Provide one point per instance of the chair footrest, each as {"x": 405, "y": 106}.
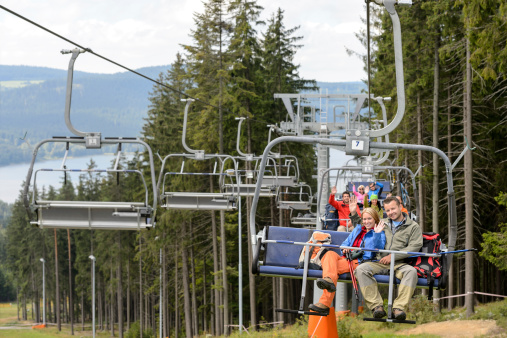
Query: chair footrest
{"x": 386, "y": 320}
{"x": 311, "y": 313}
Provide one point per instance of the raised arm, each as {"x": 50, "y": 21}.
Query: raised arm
{"x": 332, "y": 201}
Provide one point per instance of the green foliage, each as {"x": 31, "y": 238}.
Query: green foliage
{"x": 422, "y": 309}
{"x": 134, "y": 331}
{"x": 5, "y": 214}
{"x": 348, "y": 327}
{"x": 494, "y": 246}
{"x": 496, "y": 311}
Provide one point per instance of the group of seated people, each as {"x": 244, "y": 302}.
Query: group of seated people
{"x": 366, "y": 198}
{"x": 371, "y": 232}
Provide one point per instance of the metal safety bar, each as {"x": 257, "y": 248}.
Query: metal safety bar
{"x": 93, "y": 171}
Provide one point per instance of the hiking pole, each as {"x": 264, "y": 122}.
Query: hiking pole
{"x": 352, "y": 276}
{"x": 451, "y": 252}
{"x": 445, "y": 253}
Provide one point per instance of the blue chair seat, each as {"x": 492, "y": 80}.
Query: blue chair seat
{"x": 282, "y": 260}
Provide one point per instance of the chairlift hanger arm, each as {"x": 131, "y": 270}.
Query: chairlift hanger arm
{"x": 467, "y": 148}
{"x": 93, "y": 138}
{"x": 380, "y": 101}
{"x": 248, "y": 157}
{"x": 398, "y": 60}
{"x": 198, "y": 153}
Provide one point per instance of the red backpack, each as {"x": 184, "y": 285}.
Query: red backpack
{"x": 430, "y": 268}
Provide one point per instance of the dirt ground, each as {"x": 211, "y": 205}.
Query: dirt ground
{"x": 462, "y": 328}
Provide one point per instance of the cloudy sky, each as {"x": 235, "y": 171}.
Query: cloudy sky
{"x": 148, "y": 33}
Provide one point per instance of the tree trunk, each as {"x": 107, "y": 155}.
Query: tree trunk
{"x": 469, "y": 213}
{"x": 279, "y": 293}
{"x": 82, "y": 310}
{"x": 195, "y": 321}
{"x": 420, "y": 159}
{"x": 128, "y": 294}
{"x": 140, "y": 291}
{"x": 216, "y": 268}
{"x": 71, "y": 304}
{"x": 436, "y": 178}
{"x": 225, "y": 284}
{"x": 165, "y": 312}
{"x": 186, "y": 294}
{"x": 64, "y": 304}
{"x": 111, "y": 303}
{"x": 251, "y": 277}
{"x": 176, "y": 298}
{"x": 35, "y": 297}
{"x": 205, "y": 298}
{"x": 146, "y": 310}
{"x": 17, "y": 302}
{"x": 450, "y": 279}
{"x": 119, "y": 289}
{"x": 57, "y": 291}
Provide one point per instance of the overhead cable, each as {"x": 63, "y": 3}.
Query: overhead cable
{"x": 103, "y": 57}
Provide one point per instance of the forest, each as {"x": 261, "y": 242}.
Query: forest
{"x": 454, "y": 55}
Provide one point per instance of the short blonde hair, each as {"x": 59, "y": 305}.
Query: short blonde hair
{"x": 373, "y": 214}
{"x": 361, "y": 186}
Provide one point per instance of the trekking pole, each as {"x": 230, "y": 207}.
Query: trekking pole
{"x": 445, "y": 252}
{"x": 451, "y": 252}
{"x": 352, "y": 276}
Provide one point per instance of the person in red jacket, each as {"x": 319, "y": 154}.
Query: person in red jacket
{"x": 343, "y": 209}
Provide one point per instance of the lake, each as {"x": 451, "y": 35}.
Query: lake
{"x": 13, "y": 176}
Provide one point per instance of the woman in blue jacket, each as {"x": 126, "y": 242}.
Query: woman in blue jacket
{"x": 368, "y": 235}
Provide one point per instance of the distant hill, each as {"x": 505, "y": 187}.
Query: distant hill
{"x": 342, "y": 87}
{"x": 32, "y": 103}
{"x": 114, "y": 104}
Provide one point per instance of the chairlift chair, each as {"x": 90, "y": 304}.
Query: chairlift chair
{"x": 111, "y": 215}
{"x": 198, "y": 200}
{"x": 297, "y": 198}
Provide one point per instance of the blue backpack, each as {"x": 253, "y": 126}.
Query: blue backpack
{"x": 331, "y": 218}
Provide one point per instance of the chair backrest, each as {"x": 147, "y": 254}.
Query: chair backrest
{"x": 287, "y": 255}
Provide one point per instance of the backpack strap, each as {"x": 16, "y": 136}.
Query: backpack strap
{"x": 431, "y": 282}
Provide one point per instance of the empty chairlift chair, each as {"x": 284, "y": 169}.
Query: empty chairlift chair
{"x": 103, "y": 215}
{"x": 222, "y": 199}
{"x": 247, "y": 178}
{"x": 111, "y": 215}
{"x": 200, "y": 200}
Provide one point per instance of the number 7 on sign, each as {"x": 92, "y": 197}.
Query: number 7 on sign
{"x": 357, "y": 145}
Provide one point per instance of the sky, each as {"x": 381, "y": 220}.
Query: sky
{"x": 149, "y": 33}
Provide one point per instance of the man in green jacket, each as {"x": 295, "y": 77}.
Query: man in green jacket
{"x": 402, "y": 234}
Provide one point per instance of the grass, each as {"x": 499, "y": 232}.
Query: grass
{"x": 347, "y": 327}
{"x": 49, "y": 332}
{"x": 8, "y": 312}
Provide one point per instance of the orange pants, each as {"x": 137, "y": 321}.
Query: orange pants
{"x": 333, "y": 265}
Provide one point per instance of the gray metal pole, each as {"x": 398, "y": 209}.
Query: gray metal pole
{"x": 93, "y": 293}
{"x": 43, "y": 291}
{"x": 161, "y": 314}
{"x": 240, "y": 268}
